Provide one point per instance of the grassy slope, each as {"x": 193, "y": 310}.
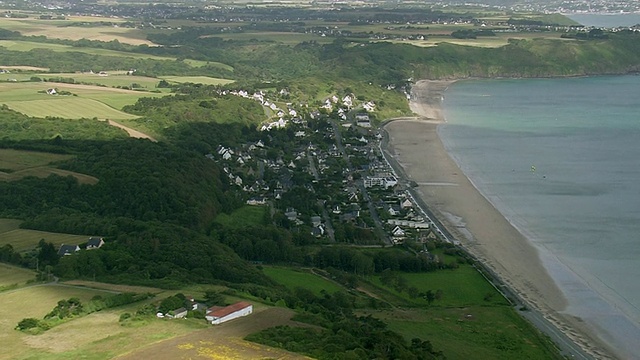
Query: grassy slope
{"x": 90, "y": 102}
{"x": 474, "y": 332}
{"x": 23, "y": 239}
{"x": 96, "y": 336}
{"x": 13, "y": 276}
{"x": 16, "y": 164}
{"x": 245, "y": 216}
{"x": 299, "y": 278}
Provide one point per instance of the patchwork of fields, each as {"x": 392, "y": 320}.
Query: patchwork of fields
{"x": 60, "y": 29}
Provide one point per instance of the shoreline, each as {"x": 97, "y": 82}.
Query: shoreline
{"x": 483, "y": 231}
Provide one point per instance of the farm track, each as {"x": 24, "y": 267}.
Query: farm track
{"x": 132, "y": 132}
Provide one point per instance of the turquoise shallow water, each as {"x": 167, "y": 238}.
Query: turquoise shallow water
{"x": 581, "y": 205}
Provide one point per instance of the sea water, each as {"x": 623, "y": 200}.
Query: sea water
{"x": 606, "y": 20}
{"x": 560, "y": 158}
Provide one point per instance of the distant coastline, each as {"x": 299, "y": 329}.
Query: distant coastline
{"x": 471, "y": 218}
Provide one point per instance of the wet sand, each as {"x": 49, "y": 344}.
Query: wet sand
{"x": 472, "y": 219}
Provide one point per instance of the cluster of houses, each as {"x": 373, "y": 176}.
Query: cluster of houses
{"x": 92, "y": 244}
{"x": 215, "y": 315}
{"x": 266, "y": 175}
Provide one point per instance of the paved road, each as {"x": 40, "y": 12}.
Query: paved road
{"x": 365, "y": 195}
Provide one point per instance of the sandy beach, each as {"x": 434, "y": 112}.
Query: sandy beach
{"x": 472, "y": 219}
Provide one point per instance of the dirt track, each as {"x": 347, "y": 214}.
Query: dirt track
{"x": 132, "y": 132}
{"x": 223, "y": 341}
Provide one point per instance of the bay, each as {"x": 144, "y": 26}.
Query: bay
{"x": 606, "y": 20}
{"x": 560, "y": 159}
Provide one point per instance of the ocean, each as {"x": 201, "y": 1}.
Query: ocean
{"x": 606, "y": 20}
{"x": 560, "y": 159}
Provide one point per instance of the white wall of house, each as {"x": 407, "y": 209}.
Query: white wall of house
{"x": 240, "y": 313}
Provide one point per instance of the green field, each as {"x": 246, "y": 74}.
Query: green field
{"x": 461, "y": 287}
{"x": 475, "y": 332}
{"x": 68, "y": 108}
{"x": 16, "y": 164}
{"x": 24, "y": 240}
{"x": 287, "y": 38}
{"x": 14, "y": 276}
{"x": 197, "y": 80}
{"x": 61, "y": 29}
{"x": 114, "y": 79}
{"x": 243, "y": 217}
{"x": 14, "y": 160}
{"x": 19, "y": 45}
{"x": 293, "y": 279}
{"x": 90, "y": 102}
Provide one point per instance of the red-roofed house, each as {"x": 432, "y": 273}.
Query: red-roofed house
{"x": 219, "y": 315}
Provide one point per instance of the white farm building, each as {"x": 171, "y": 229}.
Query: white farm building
{"x": 218, "y": 315}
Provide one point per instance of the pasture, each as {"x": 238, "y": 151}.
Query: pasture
{"x": 19, "y": 45}
{"x": 12, "y": 276}
{"x": 90, "y": 101}
{"x": 292, "y": 279}
{"x": 25, "y": 240}
{"x": 114, "y": 79}
{"x": 475, "y": 332}
{"x": 460, "y": 287}
{"x": 71, "y": 29}
{"x": 243, "y": 217}
{"x": 205, "y": 80}
{"x": 14, "y": 160}
{"x": 100, "y": 335}
{"x": 34, "y": 301}
{"x": 223, "y": 341}
{"x": 16, "y": 164}
{"x": 287, "y": 38}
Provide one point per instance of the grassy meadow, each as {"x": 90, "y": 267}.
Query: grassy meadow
{"x": 474, "y": 332}
{"x": 14, "y": 160}
{"x": 25, "y": 240}
{"x": 63, "y": 29}
{"x": 16, "y": 164}
{"x": 95, "y": 336}
{"x": 205, "y": 80}
{"x": 245, "y": 216}
{"x": 300, "y": 279}
{"x": 461, "y": 287}
{"x": 90, "y": 102}
{"x": 13, "y": 276}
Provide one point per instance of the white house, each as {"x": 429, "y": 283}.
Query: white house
{"x": 219, "y": 315}
{"x": 95, "y": 243}
{"x": 397, "y": 231}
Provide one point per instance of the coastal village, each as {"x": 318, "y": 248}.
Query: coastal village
{"x": 335, "y": 152}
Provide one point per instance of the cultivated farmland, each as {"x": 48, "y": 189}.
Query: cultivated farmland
{"x": 61, "y": 29}
{"x": 197, "y": 80}
{"x": 91, "y": 101}
{"x": 114, "y": 79}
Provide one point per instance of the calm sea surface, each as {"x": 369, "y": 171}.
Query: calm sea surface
{"x": 606, "y": 20}
{"x": 560, "y": 158}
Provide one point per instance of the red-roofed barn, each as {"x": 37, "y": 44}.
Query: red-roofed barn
{"x": 217, "y": 315}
